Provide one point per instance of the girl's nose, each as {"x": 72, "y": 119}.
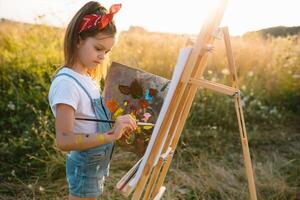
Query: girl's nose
{"x": 101, "y": 56}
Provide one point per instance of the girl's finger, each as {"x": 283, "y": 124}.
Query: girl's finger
{"x": 132, "y": 122}
{"x": 132, "y": 118}
{"x": 127, "y": 134}
{"x": 130, "y": 125}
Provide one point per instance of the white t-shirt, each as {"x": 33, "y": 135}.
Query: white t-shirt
{"x": 66, "y": 90}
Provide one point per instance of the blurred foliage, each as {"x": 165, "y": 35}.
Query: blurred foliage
{"x": 278, "y": 31}
{"x": 269, "y": 77}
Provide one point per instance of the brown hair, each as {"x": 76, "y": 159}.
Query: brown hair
{"x": 72, "y": 36}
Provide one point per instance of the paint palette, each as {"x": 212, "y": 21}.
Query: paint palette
{"x": 133, "y": 91}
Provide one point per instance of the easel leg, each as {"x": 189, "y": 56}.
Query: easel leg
{"x": 162, "y": 176}
{"x": 245, "y": 147}
{"x": 240, "y": 116}
{"x": 153, "y": 179}
{"x": 184, "y": 110}
{"x": 155, "y": 185}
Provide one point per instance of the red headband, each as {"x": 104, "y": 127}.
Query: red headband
{"x": 99, "y": 21}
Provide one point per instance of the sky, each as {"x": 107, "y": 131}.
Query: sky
{"x": 172, "y": 16}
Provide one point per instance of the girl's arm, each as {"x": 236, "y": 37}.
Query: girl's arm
{"x": 67, "y": 140}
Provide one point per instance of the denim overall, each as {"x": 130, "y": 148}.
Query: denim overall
{"x": 86, "y": 170}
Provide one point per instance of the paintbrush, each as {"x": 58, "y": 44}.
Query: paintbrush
{"x": 112, "y": 121}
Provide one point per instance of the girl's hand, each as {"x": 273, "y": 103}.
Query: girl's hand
{"x": 123, "y": 124}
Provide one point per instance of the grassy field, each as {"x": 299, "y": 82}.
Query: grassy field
{"x": 208, "y": 162}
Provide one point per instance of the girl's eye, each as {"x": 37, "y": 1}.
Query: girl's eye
{"x": 100, "y": 49}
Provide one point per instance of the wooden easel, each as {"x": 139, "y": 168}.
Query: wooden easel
{"x": 150, "y": 183}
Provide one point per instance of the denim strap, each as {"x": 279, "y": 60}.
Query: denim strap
{"x": 65, "y": 74}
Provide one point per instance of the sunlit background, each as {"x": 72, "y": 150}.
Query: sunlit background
{"x": 162, "y": 16}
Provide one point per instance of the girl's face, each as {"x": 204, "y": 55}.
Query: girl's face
{"x": 92, "y": 50}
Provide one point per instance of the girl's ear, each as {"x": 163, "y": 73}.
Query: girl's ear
{"x": 80, "y": 40}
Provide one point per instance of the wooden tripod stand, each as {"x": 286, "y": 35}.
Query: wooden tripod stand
{"x": 155, "y": 188}
{"x": 152, "y": 178}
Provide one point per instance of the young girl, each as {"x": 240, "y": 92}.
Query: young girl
{"x": 75, "y": 93}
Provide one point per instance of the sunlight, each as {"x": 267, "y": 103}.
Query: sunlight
{"x": 162, "y": 16}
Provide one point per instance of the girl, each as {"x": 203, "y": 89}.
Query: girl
{"x": 74, "y": 93}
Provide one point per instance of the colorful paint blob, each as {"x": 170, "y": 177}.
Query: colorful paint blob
{"x": 146, "y": 116}
{"x": 112, "y": 105}
{"x": 118, "y": 112}
{"x": 135, "y": 89}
